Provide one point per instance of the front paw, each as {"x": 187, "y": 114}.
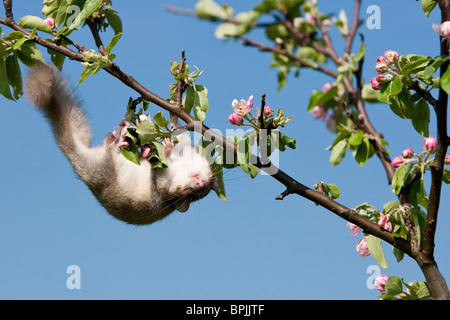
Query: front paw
{"x": 168, "y": 146}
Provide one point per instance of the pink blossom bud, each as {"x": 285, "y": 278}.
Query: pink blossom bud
{"x": 442, "y": 29}
{"x": 319, "y": 112}
{"x": 356, "y": 230}
{"x": 50, "y": 21}
{"x": 381, "y": 59}
{"x": 146, "y": 151}
{"x": 391, "y": 56}
{"x": 327, "y": 86}
{"x": 429, "y": 144}
{"x": 268, "y": 112}
{"x": 407, "y": 153}
{"x": 396, "y": 162}
{"x": 385, "y": 223}
{"x": 376, "y": 83}
{"x": 362, "y": 248}
{"x": 447, "y": 160}
{"x": 381, "y": 78}
{"x": 309, "y": 18}
{"x": 381, "y": 67}
{"x": 380, "y": 282}
{"x": 235, "y": 119}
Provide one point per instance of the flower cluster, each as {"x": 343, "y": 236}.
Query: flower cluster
{"x": 385, "y": 64}
{"x": 242, "y": 115}
{"x": 429, "y": 146}
{"x": 361, "y": 247}
{"x": 241, "y": 109}
{"x": 442, "y": 29}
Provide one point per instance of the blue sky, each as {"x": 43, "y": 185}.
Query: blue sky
{"x": 251, "y": 247}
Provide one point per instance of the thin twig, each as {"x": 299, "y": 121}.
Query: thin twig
{"x": 8, "y": 9}
{"x": 95, "y": 32}
{"x": 300, "y": 61}
{"x": 355, "y": 25}
{"x": 181, "y": 85}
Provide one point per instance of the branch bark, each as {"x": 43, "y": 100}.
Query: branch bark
{"x": 425, "y": 259}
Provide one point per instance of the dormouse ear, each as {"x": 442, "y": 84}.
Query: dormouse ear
{"x": 182, "y": 205}
{"x": 215, "y": 185}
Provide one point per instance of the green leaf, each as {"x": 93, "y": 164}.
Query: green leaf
{"x": 290, "y": 142}
{"x": 430, "y": 70}
{"x": 276, "y": 31}
{"x": 147, "y": 132}
{"x": 201, "y": 103}
{"x": 428, "y": 6}
{"x": 416, "y": 65}
{"x": 394, "y": 286}
{"x": 209, "y": 9}
{"x": 338, "y": 152}
{"x": 446, "y": 175}
{"x": 376, "y": 250}
{"x": 19, "y": 43}
{"x": 131, "y": 153}
{"x": 89, "y": 8}
{"x": 390, "y": 89}
{"x": 356, "y": 138}
{"x": 57, "y": 58}
{"x": 160, "y": 120}
{"x": 62, "y": 10}
{"x": 14, "y": 76}
{"x": 114, "y": 21}
{"x": 389, "y": 206}
{"x": 319, "y": 97}
{"x": 419, "y": 218}
{"x": 399, "y": 178}
{"x": 369, "y": 95}
{"x": 445, "y": 81}
{"x": 362, "y": 152}
{"x": 418, "y": 195}
{"x": 4, "y": 83}
{"x": 188, "y": 99}
{"x": 361, "y": 53}
{"x": 333, "y": 190}
{"x": 158, "y": 157}
{"x": 250, "y": 169}
{"x": 31, "y": 22}
{"x": 227, "y": 29}
{"x": 421, "y": 118}
{"x": 29, "y": 55}
{"x": 422, "y": 291}
{"x": 398, "y": 254}
{"x": 113, "y": 43}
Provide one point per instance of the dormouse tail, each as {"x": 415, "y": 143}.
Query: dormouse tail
{"x": 47, "y": 91}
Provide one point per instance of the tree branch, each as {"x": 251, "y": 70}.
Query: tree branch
{"x": 437, "y": 168}
{"x": 93, "y": 26}
{"x": 355, "y": 25}
{"x": 302, "y": 63}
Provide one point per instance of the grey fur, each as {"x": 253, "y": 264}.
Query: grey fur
{"x": 131, "y": 193}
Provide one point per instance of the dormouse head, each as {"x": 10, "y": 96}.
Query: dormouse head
{"x": 190, "y": 175}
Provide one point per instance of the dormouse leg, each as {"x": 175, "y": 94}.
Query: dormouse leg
{"x": 168, "y": 146}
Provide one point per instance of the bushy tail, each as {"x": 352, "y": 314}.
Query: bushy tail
{"x": 47, "y": 91}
